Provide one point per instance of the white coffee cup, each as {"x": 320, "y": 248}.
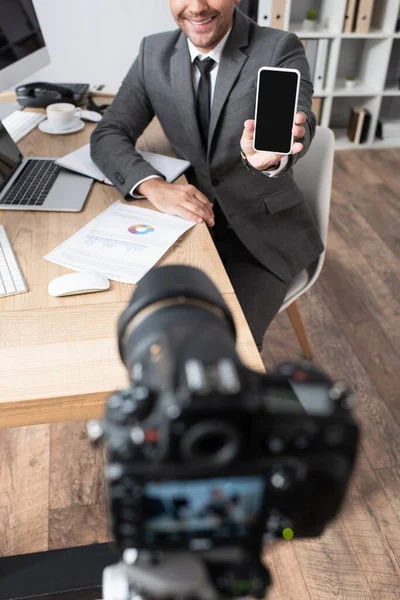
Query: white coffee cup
{"x": 62, "y": 115}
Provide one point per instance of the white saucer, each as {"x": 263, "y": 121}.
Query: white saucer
{"x": 76, "y": 125}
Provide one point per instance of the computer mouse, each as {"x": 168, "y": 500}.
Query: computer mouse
{"x": 81, "y": 282}
{"x": 90, "y": 115}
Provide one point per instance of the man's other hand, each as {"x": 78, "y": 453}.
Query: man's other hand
{"x": 181, "y": 200}
{"x": 266, "y": 160}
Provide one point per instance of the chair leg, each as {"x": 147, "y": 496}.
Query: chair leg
{"x": 296, "y": 320}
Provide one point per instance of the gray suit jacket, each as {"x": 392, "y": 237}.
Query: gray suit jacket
{"x": 268, "y": 214}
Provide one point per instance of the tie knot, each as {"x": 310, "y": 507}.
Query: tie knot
{"x": 205, "y": 65}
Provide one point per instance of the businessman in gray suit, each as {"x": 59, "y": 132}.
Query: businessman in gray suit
{"x": 258, "y": 219}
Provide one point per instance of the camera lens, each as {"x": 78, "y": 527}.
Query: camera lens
{"x": 217, "y": 442}
{"x": 167, "y": 297}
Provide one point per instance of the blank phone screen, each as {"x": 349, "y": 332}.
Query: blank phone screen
{"x": 275, "y": 111}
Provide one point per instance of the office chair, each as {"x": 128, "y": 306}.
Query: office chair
{"x": 313, "y": 175}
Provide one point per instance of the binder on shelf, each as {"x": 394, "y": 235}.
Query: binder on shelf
{"x": 278, "y": 13}
{"x": 364, "y": 16}
{"x": 264, "y": 14}
{"x": 379, "y": 12}
{"x": 317, "y": 108}
{"x": 349, "y": 17}
{"x": 320, "y": 66}
{"x": 311, "y": 55}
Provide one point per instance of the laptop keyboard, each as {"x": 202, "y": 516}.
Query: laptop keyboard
{"x": 33, "y": 184}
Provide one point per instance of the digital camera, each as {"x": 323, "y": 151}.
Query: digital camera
{"x": 203, "y": 452}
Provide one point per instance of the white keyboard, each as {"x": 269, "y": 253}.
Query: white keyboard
{"x": 19, "y": 123}
{"x": 11, "y": 279}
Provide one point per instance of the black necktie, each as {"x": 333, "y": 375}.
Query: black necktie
{"x": 204, "y": 96}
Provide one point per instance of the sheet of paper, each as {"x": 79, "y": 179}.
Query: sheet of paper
{"x": 122, "y": 243}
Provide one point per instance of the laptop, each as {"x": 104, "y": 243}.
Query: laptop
{"x": 37, "y": 183}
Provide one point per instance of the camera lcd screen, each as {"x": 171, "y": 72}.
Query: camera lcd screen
{"x": 223, "y": 508}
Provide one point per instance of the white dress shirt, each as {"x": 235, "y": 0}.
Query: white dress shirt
{"x": 215, "y": 54}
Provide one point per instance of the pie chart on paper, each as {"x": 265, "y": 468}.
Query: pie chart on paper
{"x": 140, "y": 229}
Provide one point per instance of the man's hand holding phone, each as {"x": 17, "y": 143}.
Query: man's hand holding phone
{"x": 267, "y": 160}
{"x": 277, "y": 125}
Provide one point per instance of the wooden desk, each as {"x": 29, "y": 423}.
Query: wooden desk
{"x": 58, "y": 356}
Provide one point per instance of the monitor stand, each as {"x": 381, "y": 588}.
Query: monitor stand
{"x": 8, "y": 108}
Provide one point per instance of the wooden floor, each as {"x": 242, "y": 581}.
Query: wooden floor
{"x": 51, "y": 484}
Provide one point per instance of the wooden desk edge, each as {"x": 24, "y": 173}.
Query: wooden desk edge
{"x": 53, "y": 410}
{"x": 66, "y": 408}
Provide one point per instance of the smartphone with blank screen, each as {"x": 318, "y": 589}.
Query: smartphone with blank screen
{"x": 276, "y": 107}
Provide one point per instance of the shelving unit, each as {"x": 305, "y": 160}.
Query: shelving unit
{"x": 374, "y": 58}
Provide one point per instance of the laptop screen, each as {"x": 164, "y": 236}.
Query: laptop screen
{"x": 10, "y": 156}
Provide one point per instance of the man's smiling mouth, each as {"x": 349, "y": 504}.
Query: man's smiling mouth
{"x": 203, "y": 22}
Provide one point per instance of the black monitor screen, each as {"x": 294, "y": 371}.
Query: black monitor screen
{"x": 10, "y": 156}
{"x": 222, "y": 508}
{"x": 20, "y": 33}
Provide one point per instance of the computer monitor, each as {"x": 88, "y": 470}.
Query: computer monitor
{"x": 22, "y": 46}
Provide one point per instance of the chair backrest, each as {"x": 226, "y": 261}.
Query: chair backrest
{"x": 313, "y": 175}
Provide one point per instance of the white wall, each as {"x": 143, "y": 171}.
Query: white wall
{"x": 96, "y": 41}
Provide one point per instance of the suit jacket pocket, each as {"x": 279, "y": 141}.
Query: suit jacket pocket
{"x": 283, "y": 199}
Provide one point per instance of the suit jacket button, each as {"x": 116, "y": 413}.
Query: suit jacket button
{"x": 215, "y": 182}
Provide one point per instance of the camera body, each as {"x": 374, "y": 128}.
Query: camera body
{"x": 230, "y": 458}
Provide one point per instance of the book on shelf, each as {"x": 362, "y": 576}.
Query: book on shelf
{"x": 321, "y": 62}
{"x": 278, "y": 13}
{"x": 350, "y": 15}
{"x": 365, "y": 127}
{"x": 379, "y": 131}
{"x": 317, "y": 108}
{"x": 352, "y": 124}
{"x": 264, "y": 13}
{"x": 358, "y": 126}
{"x": 364, "y": 16}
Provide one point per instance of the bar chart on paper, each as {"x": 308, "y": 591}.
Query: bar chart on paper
{"x": 99, "y": 243}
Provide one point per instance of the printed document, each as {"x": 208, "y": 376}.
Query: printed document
{"x": 122, "y": 243}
